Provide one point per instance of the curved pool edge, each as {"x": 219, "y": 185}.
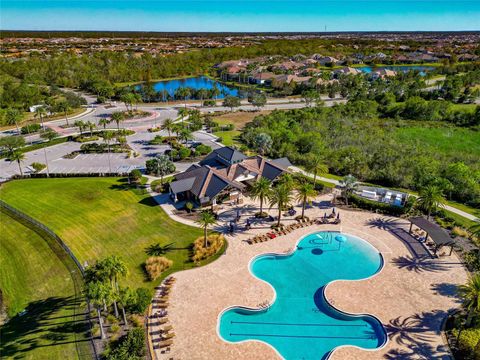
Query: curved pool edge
{"x": 290, "y": 253}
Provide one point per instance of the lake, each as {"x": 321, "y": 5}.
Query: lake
{"x": 200, "y": 82}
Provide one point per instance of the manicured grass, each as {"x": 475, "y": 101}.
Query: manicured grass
{"x": 32, "y": 277}
{"x": 447, "y": 140}
{"x": 228, "y": 137}
{"x": 98, "y": 217}
{"x": 239, "y": 118}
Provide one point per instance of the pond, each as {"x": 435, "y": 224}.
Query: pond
{"x": 398, "y": 68}
{"x": 196, "y": 83}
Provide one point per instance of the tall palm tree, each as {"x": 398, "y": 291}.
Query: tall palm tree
{"x": 103, "y": 122}
{"x": 305, "y": 194}
{"x": 316, "y": 166}
{"x": 81, "y": 125}
{"x": 91, "y": 125}
{"x": 168, "y": 125}
{"x": 430, "y": 199}
{"x": 282, "y": 197}
{"x": 261, "y": 190}
{"x": 118, "y": 117}
{"x": 107, "y": 137}
{"x": 18, "y": 156}
{"x": 125, "y": 296}
{"x": 471, "y": 296}
{"x": 205, "y": 219}
{"x": 183, "y": 112}
{"x": 97, "y": 292}
{"x": 65, "y": 107}
{"x": 13, "y": 116}
{"x": 349, "y": 184}
{"x": 114, "y": 267}
{"x": 40, "y": 112}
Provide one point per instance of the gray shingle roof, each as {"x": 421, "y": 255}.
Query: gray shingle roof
{"x": 182, "y": 185}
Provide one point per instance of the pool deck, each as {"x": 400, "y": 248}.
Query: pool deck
{"x": 410, "y": 296}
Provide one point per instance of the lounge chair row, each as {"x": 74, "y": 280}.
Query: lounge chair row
{"x": 283, "y": 231}
{"x": 162, "y": 338}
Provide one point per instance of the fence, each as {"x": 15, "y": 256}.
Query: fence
{"x": 72, "y": 264}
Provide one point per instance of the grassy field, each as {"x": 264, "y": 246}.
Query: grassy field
{"x": 451, "y": 141}
{"x": 98, "y": 217}
{"x": 229, "y": 138}
{"x": 33, "y": 278}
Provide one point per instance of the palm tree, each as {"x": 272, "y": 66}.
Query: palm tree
{"x": 114, "y": 267}
{"x": 107, "y": 137}
{"x": 118, "y": 117}
{"x": 40, "y": 112}
{"x": 261, "y": 190}
{"x": 104, "y": 122}
{"x": 185, "y": 134}
{"x": 125, "y": 296}
{"x": 282, "y": 197}
{"x": 18, "y": 156}
{"x": 80, "y": 124}
{"x": 471, "y": 296}
{"x": 316, "y": 166}
{"x": 13, "y": 116}
{"x": 65, "y": 107}
{"x": 183, "y": 112}
{"x": 349, "y": 184}
{"x": 475, "y": 228}
{"x": 169, "y": 126}
{"x": 91, "y": 125}
{"x": 97, "y": 292}
{"x": 430, "y": 199}
{"x": 205, "y": 219}
{"x": 306, "y": 193}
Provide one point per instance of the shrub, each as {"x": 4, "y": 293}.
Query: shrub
{"x": 376, "y": 206}
{"x": 209, "y": 103}
{"x": 115, "y": 328}
{"x": 155, "y": 265}
{"x": 157, "y": 140}
{"x": 38, "y": 166}
{"x": 467, "y": 342}
{"x": 94, "y": 148}
{"x": 154, "y": 129}
{"x": 111, "y": 319}
{"x": 84, "y": 138}
{"x": 200, "y": 252}
{"x": 184, "y": 153}
{"x": 458, "y": 231}
{"x": 143, "y": 299}
{"x": 189, "y": 206}
{"x": 203, "y": 149}
{"x": 135, "y": 175}
{"x": 136, "y": 320}
{"x": 130, "y": 346}
{"x": 95, "y": 328}
{"x": 30, "y": 128}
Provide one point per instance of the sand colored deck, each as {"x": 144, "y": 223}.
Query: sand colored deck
{"x": 411, "y": 297}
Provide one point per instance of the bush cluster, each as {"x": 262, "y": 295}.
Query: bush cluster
{"x": 376, "y": 206}
{"x": 30, "y": 128}
{"x": 200, "y": 252}
{"x": 155, "y": 265}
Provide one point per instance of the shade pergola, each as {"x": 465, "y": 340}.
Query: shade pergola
{"x": 438, "y": 235}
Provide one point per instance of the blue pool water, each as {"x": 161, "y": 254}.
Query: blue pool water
{"x": 200, "y": 82}
{"x": 301, "y": 324}
{"x": 398, "y": 68}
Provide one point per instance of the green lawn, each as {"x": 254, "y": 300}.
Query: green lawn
{"x": 229, "y": 138}
{"x": 98, "y": 217}
{"x": 451, "y": 141}
{"x": 32, "y": 277}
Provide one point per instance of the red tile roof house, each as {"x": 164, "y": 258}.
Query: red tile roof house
{"x": 224, "y": 174}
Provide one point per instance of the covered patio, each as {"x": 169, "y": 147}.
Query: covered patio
{"x": 439, "y": 236}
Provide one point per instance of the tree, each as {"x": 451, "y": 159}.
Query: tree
{"x": 430, "y": 199}
{"x": 231, "y": 102}
{"x": 104, "y": 122}
{"x": 183, "y": 112}
{"x": 128, "y": 99}
{"x": 18, "y": 156}
{"x": 349, "y": 184}
{"x": 65, "y": 107}
{"x": 184, "y": 93}
{"x": 113, "y": 268}
{"x": 13, "y": 116}
{"x": 258, "y": 100}
{"x": 97, "y": 292}
{"x": 49, "y": 135}
{"x": 185, "y": 134}
{"x": 168, "y": 125}
{"x": 135, "y": 175}
{"x": 205, "y": 219}
{"x": 126, "y": 296}
{"x": 90, "y": 125}
{"x": 10, "y": 143}
{"x": 160, "y": 166}
{"x": 316, "y": 166}
{"x": 40, "y": 112}
{"x": 107, "y": 137}
{"x": 280, "y": 196}
{"x": 261, "y": 190}
{"x": 310, "y": 96}
{"x": 81, "y": 125}
{"x": 263, "y": 142}
{"x": 305, "y": 194}
{"x": 118, "y": 117}
{"x": 471, "y": 296}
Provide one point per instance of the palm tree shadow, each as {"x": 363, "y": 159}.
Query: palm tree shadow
{"x": 420, "y": 264}
{"x": 386, "y": 224}
{"x": 413, "y": 334}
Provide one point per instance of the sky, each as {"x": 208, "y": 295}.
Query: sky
{"x": 241, "y": 15}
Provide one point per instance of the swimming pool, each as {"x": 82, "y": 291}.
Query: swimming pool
{"x": 301, "y": 324}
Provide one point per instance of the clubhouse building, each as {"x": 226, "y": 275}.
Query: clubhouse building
{"x": 223, "y": 175}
